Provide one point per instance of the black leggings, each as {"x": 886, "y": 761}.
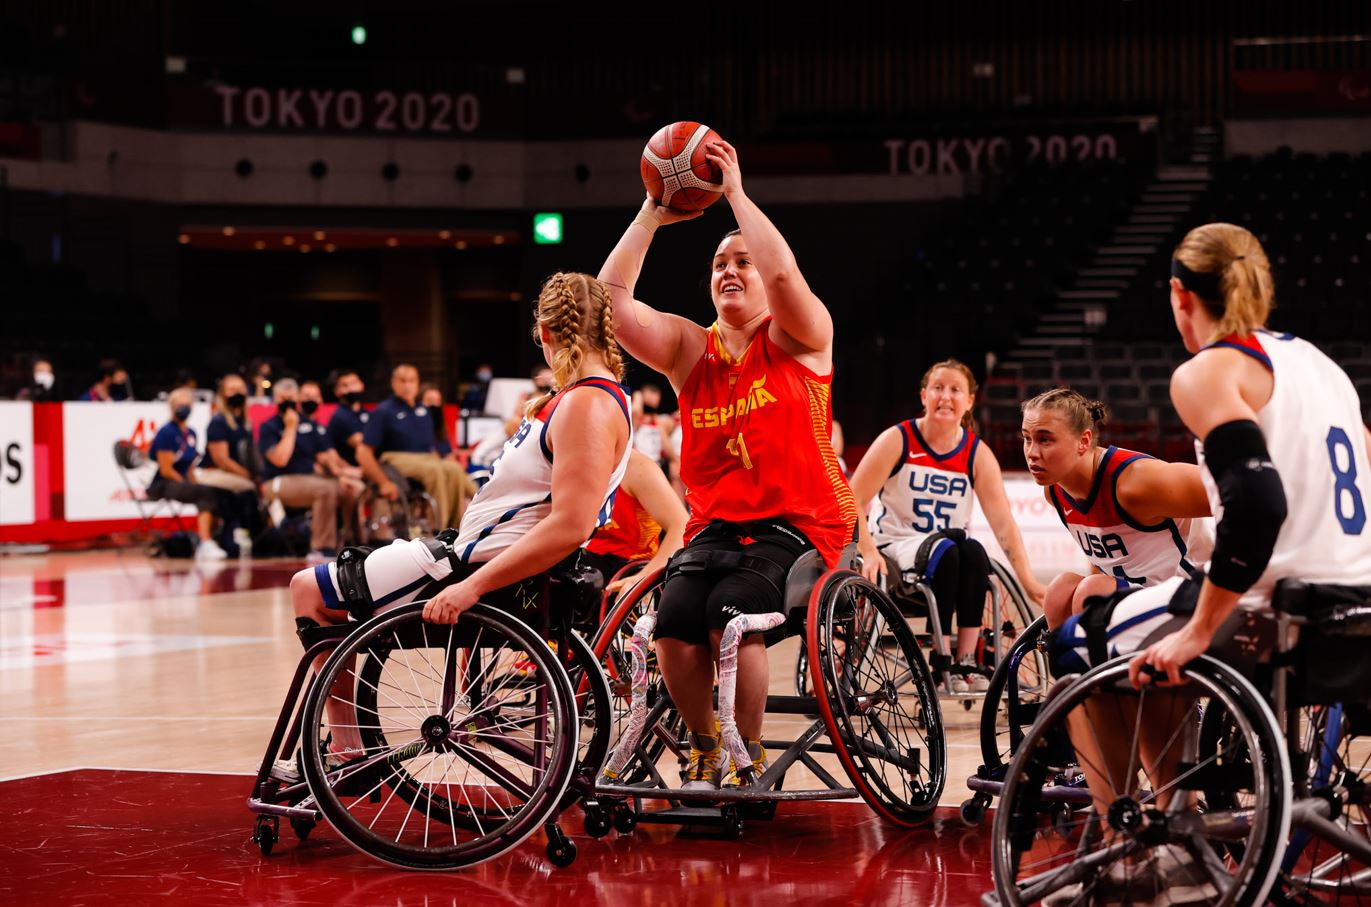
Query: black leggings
{"x": 961, "y": 575}
{"x": 692, "y": 604}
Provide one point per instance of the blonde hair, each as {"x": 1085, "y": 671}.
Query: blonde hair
{"x": 221, "y": 399}
{"x": 1246, "y": 290}
{"x": 578, "y": 312}
{"x": 1080, "y": 414}
{"x": 968, "y": 419}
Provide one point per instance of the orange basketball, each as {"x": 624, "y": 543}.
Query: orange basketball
{"x": 675, "y": 170}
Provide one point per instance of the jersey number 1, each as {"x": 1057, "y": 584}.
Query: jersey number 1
{"x": 1345, "y": 483}
{"x": 738, "y": 447}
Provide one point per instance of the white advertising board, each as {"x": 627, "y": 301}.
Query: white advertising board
{"x": 16, "y": 463}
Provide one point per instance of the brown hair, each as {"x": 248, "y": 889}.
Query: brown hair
{"x": 1080, "y": 414}
{"x": 1245, "y": 286}
{"x": 968, "y": 419}
{"x": 578, "y": 312}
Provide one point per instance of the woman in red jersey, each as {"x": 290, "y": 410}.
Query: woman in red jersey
{"x": 762, "y": 482}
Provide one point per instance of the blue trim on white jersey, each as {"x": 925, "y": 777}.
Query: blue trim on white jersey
{"x": 504, "y": 518}
{"x": 604, "y": 384}
{"x": 1258, "y": 355}
{"x": 918, "y": 435}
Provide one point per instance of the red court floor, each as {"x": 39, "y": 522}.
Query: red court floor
{"x": 93, "y": 836}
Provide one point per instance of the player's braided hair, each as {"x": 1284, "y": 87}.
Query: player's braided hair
{"x": 576, "y": 309}
{"x": 1080, "y": 413}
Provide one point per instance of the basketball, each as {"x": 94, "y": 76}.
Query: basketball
{"x": 675, "y": 170}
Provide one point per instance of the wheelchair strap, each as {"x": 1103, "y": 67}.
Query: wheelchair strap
{"x": 704, "y": 561}
{"x": 1095, "y": 622}
{"x": 440, "y": 547}
{"x": 930, "y": 544}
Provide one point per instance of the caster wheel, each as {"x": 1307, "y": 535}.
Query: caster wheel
{"x": 301, "y": 827}
{"x": 733, "y": 822}
{"x": 562, "y": 853}
{"x": 597, "y": 822}
{"x": 265, "y": 834}
{"x": 973, "y": 811}
{"x": 625, "y": 821}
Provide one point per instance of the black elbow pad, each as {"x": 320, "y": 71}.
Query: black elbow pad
{"x": 1253, "y": 501}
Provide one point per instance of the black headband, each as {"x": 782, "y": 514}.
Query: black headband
{"x": 1204, "y": 284}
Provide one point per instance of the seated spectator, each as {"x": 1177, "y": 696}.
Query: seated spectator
{"x": 652, "y": 427}
{"x": 44, "y": 388}
{"x": 400, "y": 434}
{"x": 487, "y": 450}
{"x": 348, "y": 420}
{"x": 228, "y": 440}
{"x": 432, "y": 400}
{"x": 474, "y": 398}
{"x": 174, "y": 449}
{"x": 113, "y": 383}
{"x": 350, "y": 480}
{"x": 259, "y": 376}
{"x": 294, "y": 450}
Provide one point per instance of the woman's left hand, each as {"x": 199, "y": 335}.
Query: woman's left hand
{"x": 724, "y": 156}
{"x": 1034, "y": 589}
{"x": 448, "y": 604}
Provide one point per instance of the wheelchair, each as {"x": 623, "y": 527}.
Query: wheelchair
{"x": 1008, "y": 613}
{"x": 411, "y": 515}
{"x": 476, "y": 735}
{"x": 1226, "y": 774}
{"x": 875, "y": 711}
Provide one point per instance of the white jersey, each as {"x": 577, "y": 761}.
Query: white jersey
{"x": 647, "y": 439}
{"x": 1116, "y": 543}
{"x": 1317, "y": 441}
{"x": 927, "y": 491}
{"x": 519, "y": 493}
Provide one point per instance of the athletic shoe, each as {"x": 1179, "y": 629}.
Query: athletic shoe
{"x": 956, "y": 684}
{"x": 759, "y": 765}
{"x": 975, "y": 681}
{"x": 1184, "y": 879}
{"x": 708, "y": 759}
{"x": 1123, "y": 883}
{"x": 209, "y": 550}
{"x": 287, "y": 771}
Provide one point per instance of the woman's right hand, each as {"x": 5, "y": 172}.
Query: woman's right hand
{"x": 873, "y": 565}
{"x": 665, "y": 215}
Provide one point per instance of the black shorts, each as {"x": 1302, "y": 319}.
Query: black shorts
{"x": 693, "y": 604}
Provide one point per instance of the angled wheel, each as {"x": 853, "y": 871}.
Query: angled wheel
{"x": 1150, "y": 825}
{"x": 1016, "y": 693}
{"x": 468, "y": 737}
{"x": 876, "y": 697}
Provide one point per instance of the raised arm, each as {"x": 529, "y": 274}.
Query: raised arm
{"x": 990, "y": 492}
{"x": 666, "y": 343}
{"x": 802, "y": 319}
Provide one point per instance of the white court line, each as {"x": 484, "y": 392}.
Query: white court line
{"x": 163, "y": 771}
{"x": 50, "y": 771}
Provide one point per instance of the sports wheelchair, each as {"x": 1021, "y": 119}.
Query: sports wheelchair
{"x": 474, "y": 736}
{"x": 1215, "y": 775}
{"x": 1008, "y": 613}
{"x": 414, "y": 513}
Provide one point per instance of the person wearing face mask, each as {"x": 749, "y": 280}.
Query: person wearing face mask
{"x": 349, "y": 419}
{"x": 431, "y": 397}
{"x": 295, "y": 455}
{"x": 112, "y": 386}
{"x": 44, "y": 386}
{"x": 228, "y": 440}
{"x": 474, "y": 399}
{"x": 350, "y": 480}
{"x": 174, "y": 449}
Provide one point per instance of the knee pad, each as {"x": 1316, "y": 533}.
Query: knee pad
{"x": 930, "y": 545}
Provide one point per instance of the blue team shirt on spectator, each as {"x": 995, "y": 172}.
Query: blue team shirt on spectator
{"x": 237, "y": 438}
{"x": 310, "y": 441}
{"x": 442, "y": 448}
{"x": 343, "y": 425}
{"x": 181, "y": 443}
{"x": 397, "y": 426}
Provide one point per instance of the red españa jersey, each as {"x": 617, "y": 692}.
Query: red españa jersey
{"x": 630, "y": 533}
{"x": 755, "y": 444}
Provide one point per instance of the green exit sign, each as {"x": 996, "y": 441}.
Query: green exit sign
{"x": 547, "y": 228}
